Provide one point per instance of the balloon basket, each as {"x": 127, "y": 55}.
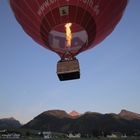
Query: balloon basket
{"x": 68, "y": 69}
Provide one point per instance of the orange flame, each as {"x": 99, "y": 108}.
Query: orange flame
{"x": 68, "y": 34}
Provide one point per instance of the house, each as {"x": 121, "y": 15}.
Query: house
{"x": 3, "y": 130}
{"x": 112, "y": 136}
{"x": 11, "y": 135}
{"x": 115, "y": 135}
{"x": 70, "y": 135}
{"x": 47, "y": 134}
{"x": 124, "y": 136}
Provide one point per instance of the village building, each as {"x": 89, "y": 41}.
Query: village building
{"x": 115, "y": 135}
{"x": 47, "y": 134}
{"x": 10, "y": 135}
{"x": 70, "y": 135}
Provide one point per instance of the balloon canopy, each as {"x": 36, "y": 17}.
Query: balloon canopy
{"x": 92, "y": 21}
{"x": 68, "y": 27}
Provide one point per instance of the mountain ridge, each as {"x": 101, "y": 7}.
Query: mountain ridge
{"x": 9, "y": 123}
{"x": 88, "y": 122}
{"x": 74, "y": 114}
{"x": 129, "y": 114}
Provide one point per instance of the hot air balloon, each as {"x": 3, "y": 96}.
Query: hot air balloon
{"x": 68, "y": 27}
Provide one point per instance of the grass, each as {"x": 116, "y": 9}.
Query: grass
{"x": 129, "y": 138}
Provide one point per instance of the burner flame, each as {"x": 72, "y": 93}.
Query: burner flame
{"x": 68, "y": 34}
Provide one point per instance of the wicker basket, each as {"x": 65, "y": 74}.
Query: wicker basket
{"x": 68, "y": 70}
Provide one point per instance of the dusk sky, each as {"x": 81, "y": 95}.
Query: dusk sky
{"x": 110, "y": 72}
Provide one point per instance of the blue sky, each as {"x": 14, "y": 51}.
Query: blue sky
{"x": 110, "y": 72}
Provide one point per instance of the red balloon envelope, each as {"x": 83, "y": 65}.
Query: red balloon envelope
{"x": 91, "y": 22}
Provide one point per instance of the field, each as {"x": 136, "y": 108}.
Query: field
{"x": 132, "y": 138}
